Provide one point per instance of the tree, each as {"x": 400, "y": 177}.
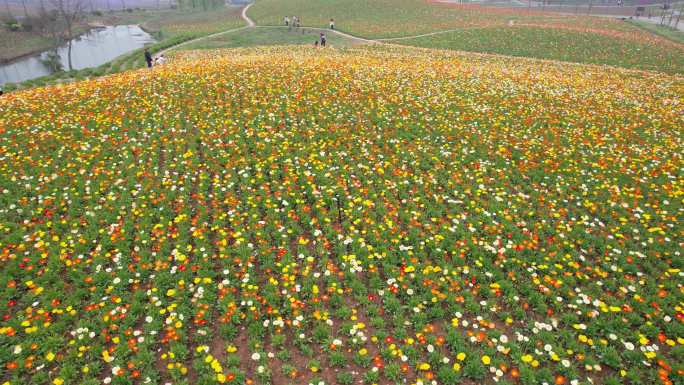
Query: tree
{"x": 70, "y": 12}
{"x": 9, "y": 11}
{"x": 23, "y": 3}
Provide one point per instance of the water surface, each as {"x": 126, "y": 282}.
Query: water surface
{"x": 92, "y": 49}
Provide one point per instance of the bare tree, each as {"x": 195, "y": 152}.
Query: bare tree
{"x": 9, "y": 11}
{"x": 71, "y": 12}
{"x": 23, "y": 3}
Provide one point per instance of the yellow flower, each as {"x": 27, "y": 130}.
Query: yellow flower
{"x": 107, "y": 357}
{"x": 461, "y": 356}
{"x": 527, "y": 358}
{"x": 50, "y": 356}
{"x": 58, "y": 381}
{"x": 486, "y": 360}
{"x": 231, "y": 349}
{"x": 221, "y": 378}
{"x": 363, "y": 352}
{"x": 424, "y": 366}
{"x": 456, "y": 367}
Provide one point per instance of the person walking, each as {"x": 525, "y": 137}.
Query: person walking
{"x": 323, "y": 39}
{"x": 332, "y": 23}
{"x": 287, "y": 21}
{"x": 148, "y": 58}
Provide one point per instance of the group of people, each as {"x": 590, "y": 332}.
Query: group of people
{"x": 295, "y": 21}
{"x": 159, "y": 60}
{"x": 322, "y": 42}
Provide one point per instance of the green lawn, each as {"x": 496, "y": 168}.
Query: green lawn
{"x": 269, "y": 36}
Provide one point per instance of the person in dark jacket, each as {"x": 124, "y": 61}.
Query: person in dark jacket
{"x": 323, "y": 40}
{"x": 148, "y": 58}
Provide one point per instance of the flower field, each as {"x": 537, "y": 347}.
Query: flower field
{"x": 559, "y": 43}
{"x": 508, "y": 31}
{"x": 368, "y": 215}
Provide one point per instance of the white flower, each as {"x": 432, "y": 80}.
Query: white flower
{"x": 629, "y": 346}
{"x": 17, "y": 349}
{"x": 256, "y": 356}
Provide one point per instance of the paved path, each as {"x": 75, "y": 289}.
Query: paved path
{"x": 250, "y": 24}
{"x": 425, "y": 34}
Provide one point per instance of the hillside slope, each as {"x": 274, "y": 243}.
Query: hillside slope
{"x": 299, "y": 215}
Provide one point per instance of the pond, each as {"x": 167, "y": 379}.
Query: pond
{"x": 92, "y": 49}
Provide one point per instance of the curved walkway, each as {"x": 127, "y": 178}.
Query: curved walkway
{"x": 250, "y": 24}
{"x": 425, "y": 34}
